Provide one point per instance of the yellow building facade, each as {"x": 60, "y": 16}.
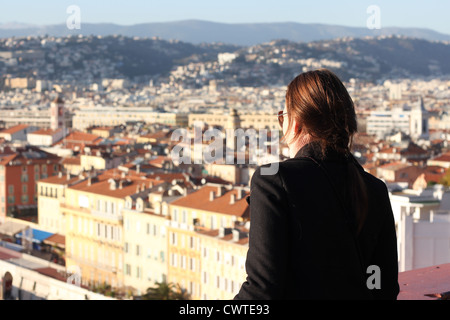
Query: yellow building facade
{"x": 94, "y": 225}
{"x": 211, "y": 208}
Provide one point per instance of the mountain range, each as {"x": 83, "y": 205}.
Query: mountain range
{"x": 198, "y": 31}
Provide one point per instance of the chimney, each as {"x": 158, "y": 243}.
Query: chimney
{"x": 60, "y": 174}
{"x": 240, "y": 193}
{"x": 151, "y": 184}
{"x": 120, "y": 184}
{"x": 138, "y": 168}
{"x": 237, "y": 235}
{"x": 219, "y": 191}
{"x": 224, "y": 232}
{"x": 211, "y": 196}
{"x": 233, "y": 199}
{"x": 143, "y": 186}
{"x": 138, "y": 189}
{"x": 89, "y": 181}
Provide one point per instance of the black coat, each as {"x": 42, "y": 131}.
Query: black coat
{"x": 300, "y": 244}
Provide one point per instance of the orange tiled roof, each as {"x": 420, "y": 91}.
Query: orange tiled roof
{"x": 14, "y": 129}
{"x": 200, "y": 200}
{"x": 6, "y": 158}
{"x": 60, "y": 180}
{"x": 444, "y": 157}
{"x": 394, "y": 165}
{"x": 100, "y": 185}
{"x": 72, "y": 161}
{"x": 46, "y": 131}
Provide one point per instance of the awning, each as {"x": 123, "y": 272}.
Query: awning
{"x": 38, "y": 235}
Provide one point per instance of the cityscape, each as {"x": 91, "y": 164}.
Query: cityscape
{"x": 98, "y": 203}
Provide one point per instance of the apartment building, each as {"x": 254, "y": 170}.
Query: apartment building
{"x": 113, "y": 116}
{"x": 251, "y": 120}
{"x": 94, "y": 219}
{"x": 223, "y": 256}
{"x": 20, "y": 169}
{"x": 17, "y": 132}
{"x": 51, "y": 195}
{"x": 210, "y": 208}
{"x": 422, "y": 219}
{"x": 145, "y": 237}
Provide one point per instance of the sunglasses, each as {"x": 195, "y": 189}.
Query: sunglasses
{"x": 281, "y": 115}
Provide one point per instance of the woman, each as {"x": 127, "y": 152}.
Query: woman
{"x": 321, "y": 227}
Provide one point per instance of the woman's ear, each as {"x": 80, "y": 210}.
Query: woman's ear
{"x": 297, "y": 126}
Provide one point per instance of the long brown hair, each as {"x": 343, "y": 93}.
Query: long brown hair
{"x": 322, "y": 106}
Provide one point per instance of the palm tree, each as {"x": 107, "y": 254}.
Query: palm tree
{"x": 180, "y": 293}
{"x": 162, "y": 291}
{"x": 166, "y": 291}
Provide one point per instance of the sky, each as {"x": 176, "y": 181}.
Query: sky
{"x": 431, "y": 14}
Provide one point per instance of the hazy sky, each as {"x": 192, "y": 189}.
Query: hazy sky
{"x": 432, "y": 14}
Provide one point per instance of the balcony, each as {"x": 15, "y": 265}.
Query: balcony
{"x": 417, "y": 284}
{"x": 117, "y": 217}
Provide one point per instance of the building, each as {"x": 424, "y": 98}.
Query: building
{"x": 410, "y": 120}
{"x": 20, "y": 170}
{"x": 442, "y": 160}
{"x": 36, "y": 279}
{"x": 45, "y": 137}
{"x": 20, "y": 83}
{"x": 57, "y": 115}
{"x": 145, "y": 237}
{"x": 113, "y": 116}
{"x": 94, "y": 219}
{"x": 250, "y": 120}
{"x": 33, "y": 116}
{"x": 17, "y": 133}
{"x": 223, "y": 257}
{"x": 77, "y": 140}
{"x": 51, "y": 196}
{"x": 422, "y": 219}
{"x": 104, "y": 159}
{"x": 210, "y": 208}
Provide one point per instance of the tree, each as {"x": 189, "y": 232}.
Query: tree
{"x": 166, "y": 291}
{"x": 445, "y": 180}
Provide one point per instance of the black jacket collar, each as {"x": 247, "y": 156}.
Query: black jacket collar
{"x": 314, "y": 150}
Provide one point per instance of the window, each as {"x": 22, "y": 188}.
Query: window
{"x": 128, "y": 270}
{"x": 175, "y": 215}
{"x": 24, "y": 188}
{"x": 24, "y": 178}
{"x": 174, "y": 239}
{"x": 138, "y": 272}
{"x": 126, "y": 247}
{"x": 11, "y": 189}
{"x": 138, "y": 250}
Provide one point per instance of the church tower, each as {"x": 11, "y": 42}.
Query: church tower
{"x": 57, "y": 114}
{"x": 233, "y": 123}
{"x": 419, "y": 128}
